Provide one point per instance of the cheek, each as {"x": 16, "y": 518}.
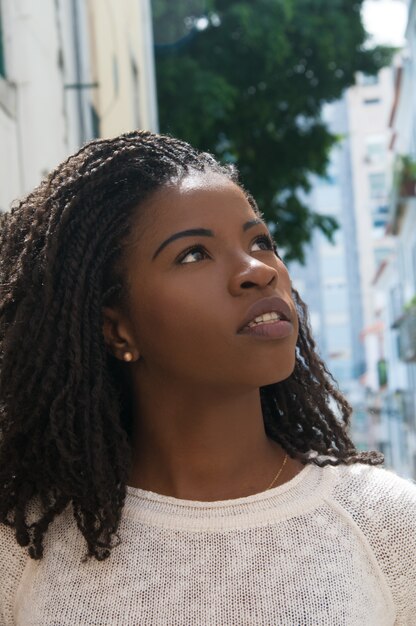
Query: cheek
{"x": 171, "y": 317}
{"x": 284, "y": 277}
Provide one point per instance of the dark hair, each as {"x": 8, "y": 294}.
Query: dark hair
{"x": 64, "y": 406}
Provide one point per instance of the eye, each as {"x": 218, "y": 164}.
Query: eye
{"x": 195, "y": 250}
{"x": 267, "y": 241}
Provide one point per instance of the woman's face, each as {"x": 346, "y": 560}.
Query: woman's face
{"x": 189, "y": 294}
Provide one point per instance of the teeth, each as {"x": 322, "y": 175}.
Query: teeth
{"x": 265, "y": 318}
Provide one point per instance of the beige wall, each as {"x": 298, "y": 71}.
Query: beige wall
{"x": 123, "y": 65}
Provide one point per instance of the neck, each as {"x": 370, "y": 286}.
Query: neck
{"x": 199, "y": 445}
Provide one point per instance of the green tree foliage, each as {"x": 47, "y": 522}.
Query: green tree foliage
{"x": 246, "y": 80}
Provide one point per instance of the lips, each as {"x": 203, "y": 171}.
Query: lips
{"x": 267, "y": 305}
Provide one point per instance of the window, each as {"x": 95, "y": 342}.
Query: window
{"x": 2, "y": 62}
{"x": 367, "y": 79}
{"x": 375, "y": 151}
{"x": 338, "y": 338}
{"x": 377, "y": 184}
{"x": 396, "y": 302}
{"x": 335, "y": 297}
{"x": 380, "y": 216}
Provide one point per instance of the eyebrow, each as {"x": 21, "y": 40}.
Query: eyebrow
{"x": 201, "y": 232}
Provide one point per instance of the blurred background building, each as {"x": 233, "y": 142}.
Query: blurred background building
{"x": 361, "y": 291}
{"x": 70, "y": 70}
{"x": 389, "y": 333}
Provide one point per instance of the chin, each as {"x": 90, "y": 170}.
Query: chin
{"x": 275, "y": 380}
{"x": 277, "y": 377}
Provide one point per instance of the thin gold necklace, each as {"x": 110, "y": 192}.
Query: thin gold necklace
{"x": 278, "y": 473}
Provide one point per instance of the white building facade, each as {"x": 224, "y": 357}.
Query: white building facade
{"x": 62, "y": 83}
{"x": 386, "y": 210}
{"x": 353, "y": 288}
{"x": 39, "y": 112}
{"x": 395, "y": 283}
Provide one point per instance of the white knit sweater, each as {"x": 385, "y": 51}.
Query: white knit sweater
{"x": 331, "y": 547}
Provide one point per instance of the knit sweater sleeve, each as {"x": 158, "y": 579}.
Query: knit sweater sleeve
{"x": 13, "y": 559}
{"x": 383, "y": 506}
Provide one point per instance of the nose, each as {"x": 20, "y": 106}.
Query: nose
{"x": 252, "y": 273}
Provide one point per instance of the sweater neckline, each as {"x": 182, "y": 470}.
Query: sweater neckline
{"x": 301, "y": 493}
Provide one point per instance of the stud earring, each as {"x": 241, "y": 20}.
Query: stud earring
{"x": 127, "y": 356}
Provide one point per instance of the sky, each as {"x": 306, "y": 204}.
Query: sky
{"x": 386, "y": 20}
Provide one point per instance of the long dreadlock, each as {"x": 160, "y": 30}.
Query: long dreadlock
{"x": 65, "y": 414}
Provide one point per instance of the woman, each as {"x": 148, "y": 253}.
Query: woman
{"x": 173, "y": 449}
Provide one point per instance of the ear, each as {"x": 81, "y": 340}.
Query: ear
{"x": 117, "y": 336}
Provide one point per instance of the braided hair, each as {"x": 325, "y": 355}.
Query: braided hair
{"x": 65, "y": 409}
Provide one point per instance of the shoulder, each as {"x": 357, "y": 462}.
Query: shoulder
{"x": 381, "y": 503}
{"x": 364, "y": 489}
{"x": 13, "y": 559}
{"x": 382, "y": 507}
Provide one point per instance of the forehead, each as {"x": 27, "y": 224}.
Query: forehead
{"x": 196, "y": 195}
